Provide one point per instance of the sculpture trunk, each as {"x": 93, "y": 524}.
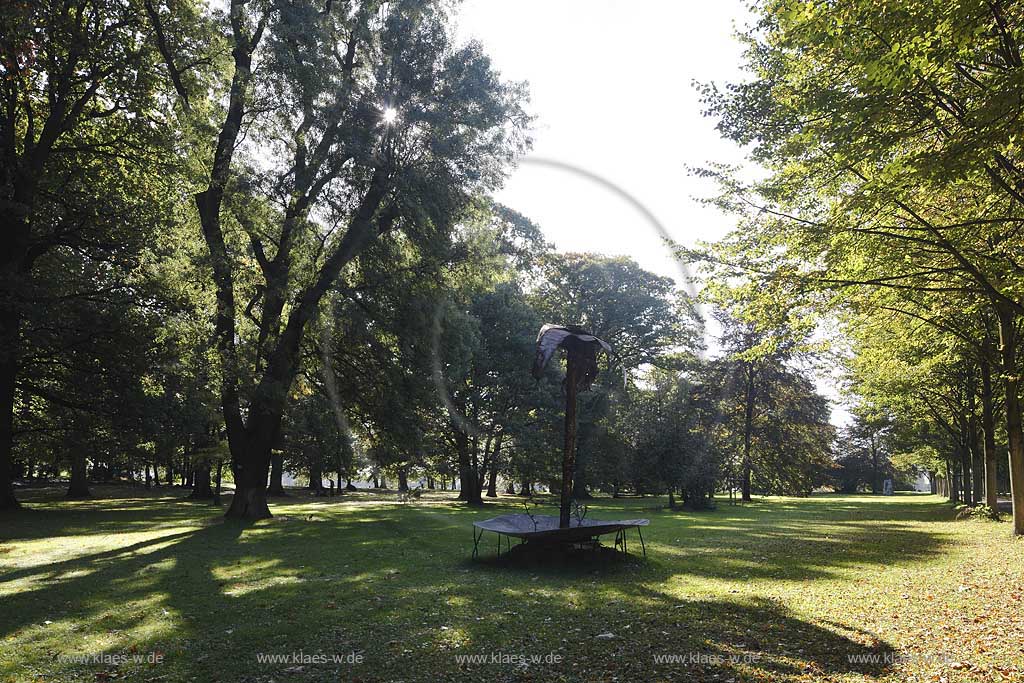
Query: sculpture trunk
{"x": 569, "y": 452}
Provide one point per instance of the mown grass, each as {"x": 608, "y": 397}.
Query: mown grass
{"x": 843, "y": 588}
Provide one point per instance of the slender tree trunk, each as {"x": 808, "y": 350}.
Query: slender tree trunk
{"x": 954, "y": 493}
{"x": 492, "y": 481}
{"x": 483, "y": 467}
{"x": 569, "y": 450}
{"x": 492, "y": 470}
{"x": 988, "y": 427}
{"x": 216, "y": 490}
{"x": 876, "y": 480}
{"x": 748, "y": 432}
{"x": 977, "y": 462}
{"x": 1014, "y": 436}
{"x": 963, "y": 453}
{"x": 276, "y": 474}
{"x": 579, "y": 480}
{"x": 186, "y": 465}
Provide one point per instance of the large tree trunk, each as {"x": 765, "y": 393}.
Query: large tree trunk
{"x": 15, "y": 269}
{"x": 79, "y": 485}
{"x": 8, "y": 375}
{"x": 201, "y": 488}
{"x": 9, "y": 344}
{"x": 316, "y": 476}
{"x": 1011, "y": 374}
{"x": 252, "y": 465}
{"x": 469, "y": 489}
{"x": 988, "y": 427}
{"x": 403, "y": 480}
{"x": 250, "y": 499}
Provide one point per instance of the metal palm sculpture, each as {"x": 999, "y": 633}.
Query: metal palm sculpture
{"x": 581, "y": 350}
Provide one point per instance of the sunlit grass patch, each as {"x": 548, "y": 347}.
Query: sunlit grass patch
{"x": 780, "y": 590}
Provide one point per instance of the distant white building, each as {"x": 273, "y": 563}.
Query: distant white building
{"x": 923, "y": 484}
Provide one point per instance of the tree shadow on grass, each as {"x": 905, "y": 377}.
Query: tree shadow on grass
{"x": 393, "y": 585}
{"x": 112, "y": 510}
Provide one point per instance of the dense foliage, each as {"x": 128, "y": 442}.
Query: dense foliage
{"x": 261, "y": 240}
{"x": 891, "y": 209}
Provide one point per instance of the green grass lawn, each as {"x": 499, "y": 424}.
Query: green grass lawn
{"x": 843, "y": 588}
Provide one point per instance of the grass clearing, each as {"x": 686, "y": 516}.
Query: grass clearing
{"x": 838, "y": 588}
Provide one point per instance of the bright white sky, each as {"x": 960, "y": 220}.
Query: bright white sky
{"x": 611, "y": 87}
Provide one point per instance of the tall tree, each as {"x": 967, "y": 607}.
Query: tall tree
{"x": 83, "y": 146}
{"x": 892, "y": 145}
{"x": 377, "y": 126}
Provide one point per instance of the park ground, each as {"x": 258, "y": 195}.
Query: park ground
{"x": 137, "y": 586}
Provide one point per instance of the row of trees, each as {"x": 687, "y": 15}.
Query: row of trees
{"x": 264, "y": 236}
{"x": 891, "y": 207}
{"x": 292, "y": 136}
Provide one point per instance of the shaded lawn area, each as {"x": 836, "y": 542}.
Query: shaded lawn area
{"x": 843, "y": 588}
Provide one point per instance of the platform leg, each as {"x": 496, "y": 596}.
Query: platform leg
{"x": 476, "y": 542}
